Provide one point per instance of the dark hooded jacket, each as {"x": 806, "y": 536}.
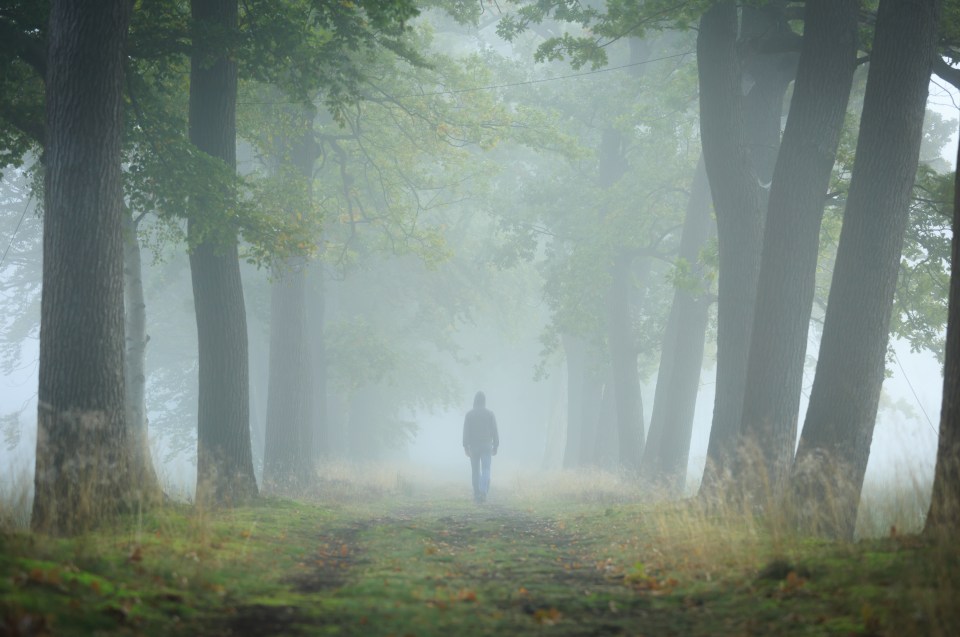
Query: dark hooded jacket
{"x": 480, "y": 427}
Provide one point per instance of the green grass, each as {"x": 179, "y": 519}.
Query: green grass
{"x": 410, "y": 561}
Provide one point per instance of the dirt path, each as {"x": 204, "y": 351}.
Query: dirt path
{"x": 466, "y": 571}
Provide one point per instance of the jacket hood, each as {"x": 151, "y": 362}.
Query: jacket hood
{"x": 480, "y": 400}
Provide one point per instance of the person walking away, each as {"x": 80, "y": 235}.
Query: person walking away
{"x": 480, "y": 442}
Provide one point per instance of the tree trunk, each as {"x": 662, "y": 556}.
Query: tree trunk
{"x": 835, "y": 444}
{"x": 224, "y": 459}
{"x": 82, "y": 458}
{"x": 667, "y": 450}
{"x": 289, "y": 447}
{"x": 623, "y": 365}
{"x": 737, "y": 200}
{"x": 606, "y": 447}
{"x": 316, "y": 313}
{"x": 791, "y": 242}
{"x": 576, "y": 357}
{"x": 135, "y": 377}
{"x": 944, "y": 515}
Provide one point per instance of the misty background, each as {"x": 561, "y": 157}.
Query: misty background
{"x": 497, "y": 346}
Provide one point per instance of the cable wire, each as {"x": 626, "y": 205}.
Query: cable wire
{"x": 914, "y": 392}
{"x": 15, "y": 230}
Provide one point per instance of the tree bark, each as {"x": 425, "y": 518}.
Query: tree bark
{"x": 667, "y": 450}
{"x": 738, "y": 203}
{"x": 835, "y": 443}
{"x": 135, "y": 376}
{"x": 791, "y": 242}
{"x": 82, "y": 458}
{"x": 224, "y": 459}
{"x": 944, "y": 515}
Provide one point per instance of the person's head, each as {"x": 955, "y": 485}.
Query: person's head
{"x": 480, "y": 400}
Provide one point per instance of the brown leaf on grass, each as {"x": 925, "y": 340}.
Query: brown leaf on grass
{"x": 792, "y": 582}
{"x": 547, "y": 616}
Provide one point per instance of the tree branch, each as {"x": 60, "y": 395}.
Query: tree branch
{"x": 945, "y": 72}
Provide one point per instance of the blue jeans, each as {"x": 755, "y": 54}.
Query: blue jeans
{"x": 480, "y": 471}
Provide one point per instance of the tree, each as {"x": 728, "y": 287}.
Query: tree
{"x": 944, "y": 514}
{"x": 791, "y": 242}
{"x": 224, "y": 459}
{"x": 666, "y": 454}
{"x": 82, "y": 456}
{"x": 25, "y": 52}
{"x": 289, "y": 451}
{"x": 135, "y": 376}
{"x": 835, "y": 443}
{"x": 738, "y": 203}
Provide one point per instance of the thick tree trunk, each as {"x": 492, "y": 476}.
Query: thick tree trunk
{"x": 289, "y": 449}
{"x": 224, "y": 459}
{"x": 791, "y": 243}
{"x": 289, "y": 446}
{"x": 738, "y": 203}
{"x": 82, "y": 458}
{"x": 667, "y": 450}
{"x": 835, "y": 443}
{"x": 623, "y": 365}
{"x": 135, "y": 376}
{"x": 944, "y": 515}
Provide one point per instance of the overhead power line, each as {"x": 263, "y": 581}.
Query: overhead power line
{"x": 914, "y": 392}
{"x": 15, "y": 230}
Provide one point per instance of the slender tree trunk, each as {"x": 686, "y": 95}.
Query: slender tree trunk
{"x": 835, "y": 443}
{"x": 791, "y": 242}
{"x": 576, "y": 354}
{"x": 737, "y": 200}
{"x": 667, "y": 450}
{"x": 944, "y": 515}
{"x": 623, "y": 365}
{"x": 289, "y": 446}
{"x": 606, "y": 447}
{"x": 224, "y": 459}
{"x": 135, "y": 328}
{"x": 82, "y": 458}
{"x": 316, "y": 319}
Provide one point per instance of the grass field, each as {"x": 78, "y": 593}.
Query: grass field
{"x": 557, "y": 556}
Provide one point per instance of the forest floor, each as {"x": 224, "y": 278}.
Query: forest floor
{"x": 409, "y": 561}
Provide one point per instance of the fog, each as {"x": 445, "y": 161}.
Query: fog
{"x": 459, "y": 264}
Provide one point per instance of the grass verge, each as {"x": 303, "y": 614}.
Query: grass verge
{"x": 410, "y": 561}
